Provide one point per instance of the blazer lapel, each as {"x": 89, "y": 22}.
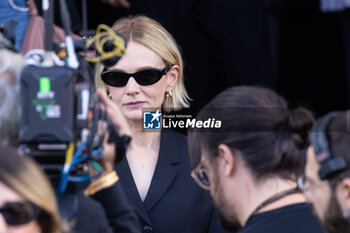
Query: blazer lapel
{"x": 131, "y": 191}
{"x": 164, "y": 173}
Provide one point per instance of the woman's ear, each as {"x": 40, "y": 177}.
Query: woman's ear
{"x": 172, "y": 76}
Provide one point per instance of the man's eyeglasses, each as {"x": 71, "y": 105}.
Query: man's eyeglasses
{"x": 18, "y": 213}
{"x": 307, "y": 185}
{"x": 200, "y": 175}
{"x": 143, "y": 77}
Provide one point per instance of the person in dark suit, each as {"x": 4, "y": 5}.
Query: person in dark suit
{"x": 173, "y": 202}
{"x": 155, "y": 172}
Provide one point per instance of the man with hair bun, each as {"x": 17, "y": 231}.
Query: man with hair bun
{"x": 252, "y": 163}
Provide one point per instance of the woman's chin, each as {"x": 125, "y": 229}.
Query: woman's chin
{"x": 135, "y": 115}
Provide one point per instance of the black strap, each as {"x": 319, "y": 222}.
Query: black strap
{"x": 274, "y": 198}
{"x": 48, "y": 25}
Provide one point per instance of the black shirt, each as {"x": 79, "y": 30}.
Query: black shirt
{"x": 297, "y": 218}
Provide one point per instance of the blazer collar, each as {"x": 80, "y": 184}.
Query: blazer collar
{"x": 165, "y": 172}
{"x": 131, "y": 191}
{"x": 164, "y": 175}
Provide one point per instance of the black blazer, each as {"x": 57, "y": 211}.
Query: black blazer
{"x": 174, "y": 202}
{"x": 107, "y": 211}
{"x": 121, "y": 216}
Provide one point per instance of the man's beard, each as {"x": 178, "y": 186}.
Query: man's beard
{"x": 228, "y": 219}
{"x": 334, "y": 221}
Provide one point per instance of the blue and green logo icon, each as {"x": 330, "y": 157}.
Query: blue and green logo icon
{"x": 152, "y": 120}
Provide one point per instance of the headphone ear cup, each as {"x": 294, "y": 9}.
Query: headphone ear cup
{"x": 318, "y": 137}
{"x": 332, "y": 166}
{"x": 110, "y": 46}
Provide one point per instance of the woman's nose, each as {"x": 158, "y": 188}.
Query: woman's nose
{"x": 132, "y": 87}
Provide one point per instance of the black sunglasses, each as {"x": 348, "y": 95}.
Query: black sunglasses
{"x": 18, "y": 213}
{"x": 143, "y": 77}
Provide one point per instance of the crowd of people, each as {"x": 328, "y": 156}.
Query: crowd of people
{"x": 268, "y": 168}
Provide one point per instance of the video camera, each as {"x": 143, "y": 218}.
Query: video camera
{"x": 55, "y": 102}
{"x": 59, "y": 108}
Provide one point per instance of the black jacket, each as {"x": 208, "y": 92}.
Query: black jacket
{"x": 120, "y": 215}
{"x": 174, "y": 202}
{"x": 106, "y": 211}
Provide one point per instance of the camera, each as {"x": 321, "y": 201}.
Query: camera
{"x": 55, "y": 103}
{"x": 60, "y": 114}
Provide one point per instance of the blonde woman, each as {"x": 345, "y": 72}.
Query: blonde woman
{"x": 156, "y": 171}
{"x": 27, "y": 201}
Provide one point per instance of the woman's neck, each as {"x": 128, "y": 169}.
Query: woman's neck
{"x": 149, "y": 140}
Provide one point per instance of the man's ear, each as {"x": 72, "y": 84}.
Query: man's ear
{"x": 172, "y": 76}
{"x": 343, "y": 194}
{"x": 227, "y": 159}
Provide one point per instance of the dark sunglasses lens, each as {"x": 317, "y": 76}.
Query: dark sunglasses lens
{"x": 114, "y": 78}
{"x": 148, "y": 77}
{"x": 19, "y": 213}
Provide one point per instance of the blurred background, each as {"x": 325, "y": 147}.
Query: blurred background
{"x": 300, "y": 48}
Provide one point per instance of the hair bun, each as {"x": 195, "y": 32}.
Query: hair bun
{"x": 300, "y": 121}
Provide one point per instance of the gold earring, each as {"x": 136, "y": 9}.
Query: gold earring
{"x": 168, "y": 94}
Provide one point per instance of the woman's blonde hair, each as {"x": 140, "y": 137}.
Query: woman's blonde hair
{"x": 24, "y": 177}
{"x": 154, "y": 36}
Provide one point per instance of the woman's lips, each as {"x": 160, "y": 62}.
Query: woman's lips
{"x": 137, "y": 104}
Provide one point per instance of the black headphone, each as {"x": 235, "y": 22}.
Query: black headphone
{"x": 330, "y": 165}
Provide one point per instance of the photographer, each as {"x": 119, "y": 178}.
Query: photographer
{"x": 111, "y": 212}
{"x": 327, "y": 171}
{"x": 28, "y": 203}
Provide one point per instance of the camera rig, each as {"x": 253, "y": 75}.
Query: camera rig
{"x": 60, "y": 108}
